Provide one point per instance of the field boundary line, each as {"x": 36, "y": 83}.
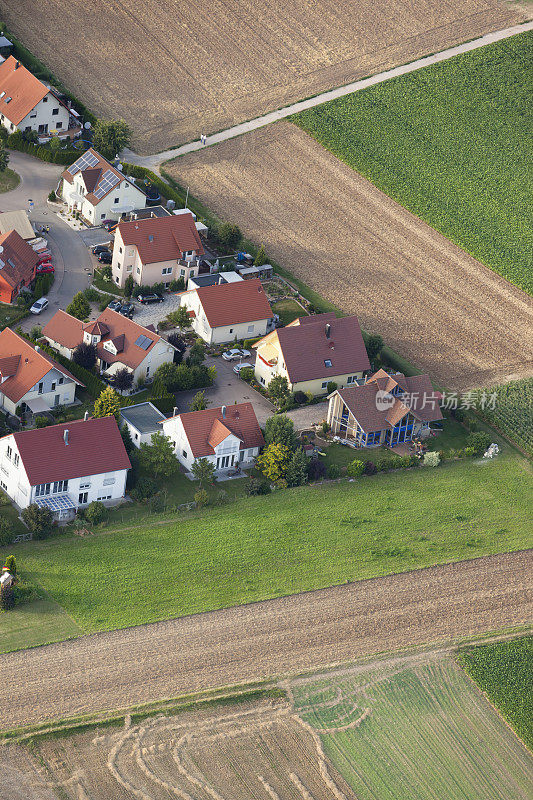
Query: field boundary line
{"x": 233, "y": 132}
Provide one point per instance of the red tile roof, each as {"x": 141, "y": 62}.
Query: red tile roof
{"x": 32, "y": 367}
{"x": 64, "y": 329}
{"x": 24, "y": 89}
{"x": 419, "y": 398}
{"x": 206, "y": 429}
{"x": 17, "y": 260}
{"x": 306, "y": 348}
{"x": 162, "y": 238}
{"x": 234, "y": 303}
{"x": 94, "y": 446}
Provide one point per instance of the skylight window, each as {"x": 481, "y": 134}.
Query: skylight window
{"x": 7, "y": 100}
{"x": 327, "y": 363}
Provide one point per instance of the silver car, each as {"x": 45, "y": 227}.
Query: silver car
{"x": 235, "y": 353}
{"x": 39, "y": 306}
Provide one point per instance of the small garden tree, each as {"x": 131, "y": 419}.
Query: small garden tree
{"x": 203, "y": 471}
{"x": 273, "y": 462}
{"x": 11, "y": 565}
{"x": 35, "y": 332}
{"x": 39, "y": 520}
{"x": 158, "y": 458}
{"x": 4, "y": 159}
{"x": 479, "y": 441}
{"x": 280, "y": 429}
{"x": 166, "y": 378}
{"x": 85, "y": 355}
{"x": 199, "y": 401}
{"x": 278, "y": 390}
{"x": 126, "y": 438}
{"x": 196, "y": 355}
{"x": 201, "y": 498}
{"x": 108, "y": 404}
{"x": 261, "y": 257}
{"x": 316, "y": 469}
{"x": 180, "y": 318}
{"x": 123, "y": 380}
{"x": 111, "y": 136}
{"x": 296, "y": 473}
{"x": 229, "y": 235}
{"x": 374, "y": 346}
{"x": 128, "y": 286}
{"x": 355, "y": 468}
{"x": 79, "y": 307}
{"x": 95, "y": 512}
{"x": 431, "y": 459}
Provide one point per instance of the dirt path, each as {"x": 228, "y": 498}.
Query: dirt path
{"x": 312, "y": 630}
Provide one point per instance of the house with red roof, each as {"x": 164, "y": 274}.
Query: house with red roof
{"x": 228, "y": 436}
{"x": 120, "y": 343}
{"x": 385, "y": 410}
{"x": 157, "y": 250}
{"x": 18, "y": 263}
{"x": 312, "y": 352}
{"x": 29, "y": 378}
{"x": 65, "y": 467}
{"x": 229, "y": 312}
{"x": 98, "y": 190}
{"x": 28, "y": 104}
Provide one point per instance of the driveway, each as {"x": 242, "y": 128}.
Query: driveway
{"x": 153, "y": 313}
{"x": 71, "y": 257}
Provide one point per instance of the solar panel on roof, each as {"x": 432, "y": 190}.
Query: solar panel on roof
{"x": 86, "y": 160}
{"x": 60, "y": 502}
{"x": 109, "y": 179}
{"x": 143, "y": 342}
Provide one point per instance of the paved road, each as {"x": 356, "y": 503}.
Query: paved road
{"x": 155, "y": 161}
{"x": 275, "y": 637}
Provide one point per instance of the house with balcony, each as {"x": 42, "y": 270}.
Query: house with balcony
{"x": 29, "y": 378}
{"x": 98, "y": 190}
{"x": 312, "y": 352}
{"x": 228, "y": 436}
{"x": 28, "y": 104}
{"x": 385, "y": 410}
{"x": 65, "y": 467}
{"x": 120, "y": 343}
{"x": 157, "y": 250}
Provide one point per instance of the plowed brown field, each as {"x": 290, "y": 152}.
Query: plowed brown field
{"x": 174, "y": 70}
{"x": 432, "y": 302}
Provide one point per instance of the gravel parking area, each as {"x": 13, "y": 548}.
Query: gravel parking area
{"x": 153, "y": 313}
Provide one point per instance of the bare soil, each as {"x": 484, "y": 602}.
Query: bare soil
{"x": 307, "y": 631}
{"x": 174, "y": 71}
{"x": 436, "y": 305}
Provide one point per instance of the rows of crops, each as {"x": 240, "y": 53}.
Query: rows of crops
{"x": 511, "y": 410}
{"x": 450, "y": 143}
{"x": 504, "y": 671}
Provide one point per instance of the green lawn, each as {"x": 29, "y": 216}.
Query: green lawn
{"x": 451, "y": 143}
{"x": 283, "y": 543}
{"x": 31, "y": 624}
{"x": 9, "y": 180}
{"x": 288, "y": 311}
{"x": 504, "y": 671}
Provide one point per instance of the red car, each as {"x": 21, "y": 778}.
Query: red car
{"x": 45, "y": 258}
{"x": 42, "y": 269}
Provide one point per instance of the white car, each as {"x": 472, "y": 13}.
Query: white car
{"x": 235, "y": 353}
{"x": 237, "y": 368}
{"x": 39, "y": 306}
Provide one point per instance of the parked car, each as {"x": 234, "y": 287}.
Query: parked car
{"x": 46, "y": 268}
{"x": 109, "y": 224}
{"x": 237, "y": 368}
{"x": 39, "y": 306}
{"x": 115, "y": 305}
{"x": 150, "y": 298}
{"x": 127, "y": 310}
{"x": 105, "y": 258}
{"x": 44, "y": 257}
{"x": 100, "y": 248}
{"x": 235, "y": 353}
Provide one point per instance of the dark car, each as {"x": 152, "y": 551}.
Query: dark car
{"x": 100, "y": 248}
{"x": 115, "y": 305}
{"x": 127, "y": 310}
{"x": 150, "y": 298}
{"x": 105, "y": 258}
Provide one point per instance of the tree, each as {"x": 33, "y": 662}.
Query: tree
{"x": 374, "y": 345}
{"x": 106, "y": 272}
{"x": 229, "y": 235}
{"x": 261, "y": 257}
{"x": 111, "y": 136}
{"x": 203, "y": 471}
{"x": 166, "y": 378}
{"x": 95, "y": 512}
{"x": 180, "y": 318}
{"x": 55, "y": 144}
{"x": 4, "y": 159}
{"x": 79, "y": 307}
{"x": 177, "y": 341}
{"x": 35, "y": 332}
{"x": 11, "y": 565}
{"x": 296, "y": 473}
{"x": 431, "y": 459}
{"x": 355, "y": 468}
{"x": 479, "y": 441}
{"x": 330, "y": 388}
{"x": 280, "y": 429}
{"x": 158, "y": 458}
{"x": 107, "y": 404}
{"x": 196, "y": 355}
{"x": 39, "y": 520}
{"x": 85, "y": 355}
{"x": 273, "y": 462}
{"x": 278, "y": 389}
{"x": 128, "y": 286}
{"x": 126, "y": 438}
{"x": 201, "y": 498}
{"x": 199, "y": 402}
{"x": 316, "y": 469}
{"x": 123, "y": 379}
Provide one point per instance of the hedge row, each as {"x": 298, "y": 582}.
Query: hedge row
{"x": 65, "y": 157}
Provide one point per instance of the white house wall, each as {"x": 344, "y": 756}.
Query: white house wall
{"x": 51, "y": 387}
{"x": 42, "y": 114}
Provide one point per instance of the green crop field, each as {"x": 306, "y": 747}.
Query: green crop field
{"x": 513, "y": 411}
{"x": 504, "y": 671}
{"x": 452, "y": 143}
{"x": 283, "y": 543}
{"x": 401, "y": 731}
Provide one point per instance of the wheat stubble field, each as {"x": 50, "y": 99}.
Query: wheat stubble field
{"x": 436, "y": 305}
{"x": 174, "y": 70}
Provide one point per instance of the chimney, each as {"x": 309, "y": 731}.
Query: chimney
{"x": 65, "y": 436}
{"x": 223, "y": 409}
{"x": 86, "y": 416}
{"x": 328, "y": 330}
{"x": 175, "y": 411}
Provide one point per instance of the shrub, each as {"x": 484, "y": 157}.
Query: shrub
{"x": 356, "y": 468}
{"x": 316, "y": 470}
{"x": 374, "y": 346}
{"x": 158, "y": 503}
{"x": 39, "y": 520}
{"x": 201, "y": 498}
{"x": 334, "y": 471}
{"x": 222, "y": 497}
{"x": 104, "y": 302}
{"x": 177, "y": 286}
{"x": 370, "y": 468}
{"x": 95, "y": 512}
{"x": 91, "y": 294}
{"x": 79, "y": 307}
{"x": 199, "y": 402}
{"x": 261, "y": 257}
{"x": 431, "y": 459}
{"x": 106, "y": 272}
{"x": 296, "y": 473}
{"x": 469, "y": 452}
{"x": 479, "y": 441}
{"x": 228, "y": 235}
{"x": 7, "y": 597}
{"x": 256, "y": 486}
{"x": 145, "y": 488}
{"x": 11, "y": 565}
{"x": 52, "y": 197}
{"x": 331, "y": 387}
{"x": 300, "y": 397}
{"x": 6, "y": 532}
{"x": 42, "y": 422}
{"x": 325, "y": 427}
{"x": 35, "y": 332}
{"x": 128, "y": 286}
{"x": 247, "y": 374}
